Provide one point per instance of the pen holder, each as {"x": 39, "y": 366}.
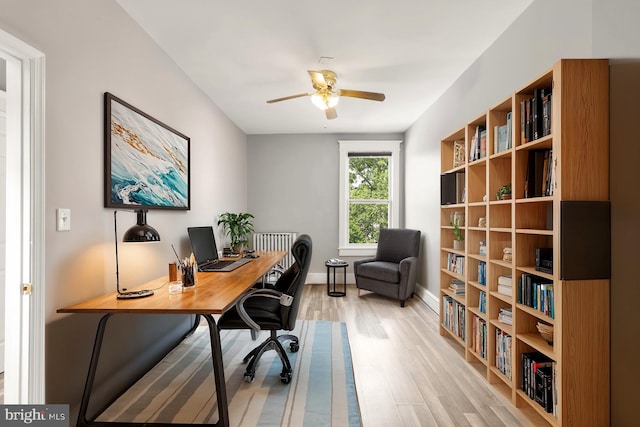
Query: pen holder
{"x": 188, "y": 276}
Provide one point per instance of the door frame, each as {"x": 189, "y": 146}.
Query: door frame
{"x": 24, "y": 277}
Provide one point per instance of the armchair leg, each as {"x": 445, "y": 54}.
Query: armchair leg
{"x": 402, "y": 303}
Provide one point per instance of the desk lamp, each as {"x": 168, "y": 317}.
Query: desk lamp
{"x": 141, "y": 232}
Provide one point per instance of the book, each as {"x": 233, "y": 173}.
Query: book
{"x": 505, "y": 280}
{"x": 534, "y": 175}
{"x": 501, "y": 137}
{"x": 546, "y": 114}
{"x": 483, "y": 143}
{"x": 509, "y": 131}
{"x": 505, "y": 290}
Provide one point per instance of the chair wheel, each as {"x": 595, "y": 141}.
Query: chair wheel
{"x": 249, "y": 377}
{"x": 294, "y": 347}
{"x": 285, "y": 377}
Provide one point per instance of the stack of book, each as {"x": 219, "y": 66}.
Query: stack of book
{"x": 502, "y": 136}
{"x": 540, "y": 175}
{"x": 478, "y": 147}
{"x": 505, "y": 285}
{"x": 535, "y": 115}
{"x": 482, "y": 302}
{"x": 455, "y": 264}
{"x": 538, "y": 380}
{"x": 454, "y": 316}
{"x": 505, "y": 315}
{"x": 503, "y": 352}
{"x": 536, "y": 292}
{"x": 482, "y": 273}
{"x": 479, "y": 337}
{"x": 457, "y": 286}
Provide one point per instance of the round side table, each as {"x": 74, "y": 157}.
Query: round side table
{"x": 332, "y": 290}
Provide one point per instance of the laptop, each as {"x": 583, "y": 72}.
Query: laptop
{"x": 203, "y": 245}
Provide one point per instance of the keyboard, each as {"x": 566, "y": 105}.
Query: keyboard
{"x": 214, "y": 265}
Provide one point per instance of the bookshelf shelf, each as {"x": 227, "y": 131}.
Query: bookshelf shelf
{"x": 550, "y": 142}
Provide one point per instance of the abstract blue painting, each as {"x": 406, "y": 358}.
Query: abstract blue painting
{"x": 146, "y": 161}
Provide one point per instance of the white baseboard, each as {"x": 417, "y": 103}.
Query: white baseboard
{"x": 431, "y": 300}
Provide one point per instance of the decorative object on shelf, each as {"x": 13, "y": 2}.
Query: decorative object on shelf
{"x": 504, "y": 193}
{"x": 457, "y": 218}
{"x": 146, "y": 163}
{"x": 482, "y": 222}
{"x": 546, "y": 331}
{"x": 482, "y": 249}
{"x": 458, "y": 154}
{"x": 458, "y": 238}
{"x": 507, "y": 254}
{"x": 237, "y": 226}
{"x": 141, "y": 232}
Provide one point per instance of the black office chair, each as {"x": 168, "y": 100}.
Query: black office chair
{"x": 273, "y": 309}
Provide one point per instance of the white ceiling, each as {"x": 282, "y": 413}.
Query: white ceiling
{"x": 244, "y": 52}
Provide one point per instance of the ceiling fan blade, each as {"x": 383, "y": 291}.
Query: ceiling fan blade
{"x": 271, "y": 101}
{"x": 331, "y": 113}
{"x": 317, "y": 78}
{"x": 373, "y": 96}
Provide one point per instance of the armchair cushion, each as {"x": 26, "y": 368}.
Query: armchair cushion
{"x": 380, "y": 270}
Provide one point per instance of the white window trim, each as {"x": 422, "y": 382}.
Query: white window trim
{"x": 372, "y": 146}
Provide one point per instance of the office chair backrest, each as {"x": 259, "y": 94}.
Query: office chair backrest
{"x": 292, "y": 281}
{"x": 396, "y": 244}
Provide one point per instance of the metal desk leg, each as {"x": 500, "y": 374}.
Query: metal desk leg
{"x": 88, "y": 385}
{"x": 218, "y": 372}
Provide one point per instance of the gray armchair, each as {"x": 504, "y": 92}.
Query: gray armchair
{"x": 393, "y": 271}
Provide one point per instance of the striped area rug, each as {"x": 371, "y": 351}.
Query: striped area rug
{"x": 180, "y": 388}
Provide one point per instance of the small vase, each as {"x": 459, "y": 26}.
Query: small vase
{"x": 458, "y": 245}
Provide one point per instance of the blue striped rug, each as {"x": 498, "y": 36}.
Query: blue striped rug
{"x": 179, "y": 389}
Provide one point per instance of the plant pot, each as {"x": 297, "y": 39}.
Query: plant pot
{"x": 458, "y": 245}
{"x": 505, "y": 197}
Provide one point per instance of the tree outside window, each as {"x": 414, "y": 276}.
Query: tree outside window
{"x": 368, "y": 197}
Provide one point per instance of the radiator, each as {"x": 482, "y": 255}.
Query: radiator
{"x": 279, "y": 241}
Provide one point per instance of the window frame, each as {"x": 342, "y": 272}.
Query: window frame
{"x": 383, "y": 147}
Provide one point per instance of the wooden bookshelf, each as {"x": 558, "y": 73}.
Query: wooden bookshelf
{"x": 573, "y": 149}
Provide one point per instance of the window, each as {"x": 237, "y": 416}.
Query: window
{"x": 369, "y": 193}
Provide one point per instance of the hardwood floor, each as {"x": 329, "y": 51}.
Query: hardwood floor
{"x": 406, "y": 373}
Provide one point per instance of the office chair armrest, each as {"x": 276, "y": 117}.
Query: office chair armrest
{"x": 264, "y": 293}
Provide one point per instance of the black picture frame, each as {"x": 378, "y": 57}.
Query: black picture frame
{"x": 146, "y": 163}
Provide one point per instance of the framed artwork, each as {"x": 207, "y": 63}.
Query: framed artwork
{"x": 147, "y": 163}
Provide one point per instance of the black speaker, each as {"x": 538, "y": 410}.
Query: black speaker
{"x": 448, "y": 189}
{"x": 585, "y": 240}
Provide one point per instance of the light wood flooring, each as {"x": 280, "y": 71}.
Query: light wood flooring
{"x": 406, "y": 373}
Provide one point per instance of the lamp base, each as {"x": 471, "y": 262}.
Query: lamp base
{"x": 135, "y": 294}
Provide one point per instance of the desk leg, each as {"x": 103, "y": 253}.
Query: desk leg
{"x": 93, "y": 366}
{"x": 218, "y": 372}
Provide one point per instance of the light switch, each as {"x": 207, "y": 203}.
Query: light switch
{"x": 63, "y": 219}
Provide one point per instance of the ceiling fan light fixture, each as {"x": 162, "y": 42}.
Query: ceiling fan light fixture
{"x": 325, "y": 99}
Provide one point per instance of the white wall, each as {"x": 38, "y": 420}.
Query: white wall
{"x": 91, "y": 48}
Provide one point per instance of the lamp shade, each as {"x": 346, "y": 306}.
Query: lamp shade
{"x": 141, "y": 232}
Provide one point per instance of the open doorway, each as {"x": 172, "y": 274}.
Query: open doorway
{"x": 22, "y": 221}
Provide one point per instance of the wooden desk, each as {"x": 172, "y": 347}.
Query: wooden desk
{"x": 213, "y": 294}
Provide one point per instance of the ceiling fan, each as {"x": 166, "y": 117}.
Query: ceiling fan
{"x": 326, "y": 96}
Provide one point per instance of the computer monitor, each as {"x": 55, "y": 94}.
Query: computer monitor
{"x": 203, "y": 244}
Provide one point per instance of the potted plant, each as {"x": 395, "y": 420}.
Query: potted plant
{"x": 237, "y": 226}
{"x": 504, "y": 193}
{"x": 458, "y": 238}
